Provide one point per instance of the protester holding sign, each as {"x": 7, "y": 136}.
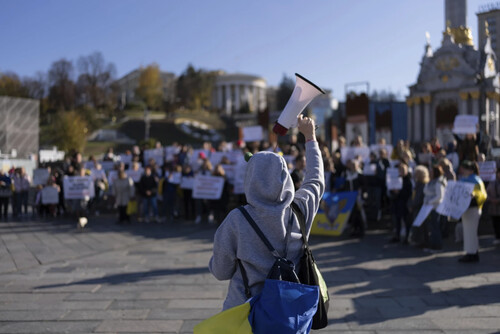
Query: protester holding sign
{"x": 123, "y": 190}
{"x": 421, "y": 177}
{"x": 433, "y": 195}
{"x": 400, "y": 198}
{"x": 355, "y": 181}
{"x": 5, "y": 193}
{"x": 469, "y": 171}
{"x": 494, "y": 199}
{"x": 148, "y": 187}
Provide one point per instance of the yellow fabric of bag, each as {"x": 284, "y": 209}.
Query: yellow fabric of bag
{"x": 231, "y": 321}
{"x": 132, "y": 208}
{"x": 160, "y": 187}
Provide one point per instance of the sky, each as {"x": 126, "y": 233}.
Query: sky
{"x": 330, "y": 42}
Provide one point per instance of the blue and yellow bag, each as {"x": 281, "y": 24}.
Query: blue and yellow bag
{"x": 284, "y": 305}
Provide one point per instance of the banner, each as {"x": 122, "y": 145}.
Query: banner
{"x": 78, "y": 187}
{"x": 50, "y": 156}
{"x": 40, "y": 176}
{"x": 50, "y": 195}
{"x": 334, "y": 212}
{"x": 457, "y": 197}
{"x": 349, "y": 153}
{"x": 425, "y": 210}
{"x": 393, "y": 180}
{"x": 252, "y": 133}
{"x": 465, "y": 124}
{"x": 487, "y": 170}
{"x": 208, "y": 187}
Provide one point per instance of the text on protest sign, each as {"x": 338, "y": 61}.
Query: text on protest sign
{"x": 457, "y": 197}
{"x": 393, "y": 180}
{"x": 78, "y": 187}
{"x": 50, "y": 195}
{"x": 425, "y": 210}
{"x": 487, "y": 170}
{"x": 40, "y": 176}
{"x": 208, "y": 187}
{"x": 465, "y": 124}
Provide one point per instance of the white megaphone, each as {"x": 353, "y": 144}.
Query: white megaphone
{"x": 303, "y": 93}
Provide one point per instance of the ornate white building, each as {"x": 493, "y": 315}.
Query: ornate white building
{"x": 235, "y": 93}
{"x": 455, "y": 79}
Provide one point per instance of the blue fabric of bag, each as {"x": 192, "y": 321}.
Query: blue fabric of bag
{"x": 283, "y": 307}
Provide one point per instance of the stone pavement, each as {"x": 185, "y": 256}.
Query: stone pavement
{"x": 154, "y": 279}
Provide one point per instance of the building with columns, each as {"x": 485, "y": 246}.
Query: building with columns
{"x": 239, "y": 93}
{"x": 455, "y": 79}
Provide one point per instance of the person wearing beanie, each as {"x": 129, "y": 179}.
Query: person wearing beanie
{"x": 269, "y": 191}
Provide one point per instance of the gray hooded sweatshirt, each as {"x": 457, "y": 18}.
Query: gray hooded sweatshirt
{"x": 269, "y": 191}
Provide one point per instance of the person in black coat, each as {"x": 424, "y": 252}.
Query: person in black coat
{"x": 400, "y": 198}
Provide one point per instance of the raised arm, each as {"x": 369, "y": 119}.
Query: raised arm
{"x": 309, "y": 195}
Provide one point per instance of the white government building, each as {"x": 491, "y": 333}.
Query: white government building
{"x": 238, "y": 92}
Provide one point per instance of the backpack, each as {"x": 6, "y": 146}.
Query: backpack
{"x": 284, "y": 305}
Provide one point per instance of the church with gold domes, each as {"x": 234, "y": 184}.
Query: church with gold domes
{"x": 456, "y": 79}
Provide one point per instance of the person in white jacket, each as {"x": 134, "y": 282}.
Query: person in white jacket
{"x": 433, "y": 195}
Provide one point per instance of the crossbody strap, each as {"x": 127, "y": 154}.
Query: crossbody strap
{"x": 302, "y": 223}
{"x": 259, "y": 232}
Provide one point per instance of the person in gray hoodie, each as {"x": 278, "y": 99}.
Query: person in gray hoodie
{"x": 269, "y": 191}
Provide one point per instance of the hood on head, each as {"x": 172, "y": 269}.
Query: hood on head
{"x": 268, "y": 182}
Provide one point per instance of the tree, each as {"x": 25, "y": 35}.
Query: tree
{"x": 150, "y": 88}
{"x": 194, "y": 88}
{"x": 95, "y": 82}
{"x": 62, "y": 86}
{"x": 68, "y": 131}
{"x": 284, "y": 92}
{"x": 36, "y": 86}
{"x": 10, "y": 85}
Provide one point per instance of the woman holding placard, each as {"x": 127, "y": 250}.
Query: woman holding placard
{"x": 433, "y": 195}
{"x": 469, "y": 171}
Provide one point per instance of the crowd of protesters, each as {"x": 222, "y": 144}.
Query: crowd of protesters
{"x": 150, "y": 190}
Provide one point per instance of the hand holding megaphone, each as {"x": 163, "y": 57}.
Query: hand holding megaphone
{"x": 303, "y": 93}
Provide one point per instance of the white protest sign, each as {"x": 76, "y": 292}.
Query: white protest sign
{"x": 187, "y": 182}
{"x": 208, "y": 187}
{"x": 78, "y": 187}
{"x": 135, "y": 175}
{"x": 425, "y": 158}
{"x": 230, "y": 172}
{"x": 156, "y": 154}
{"x": 457, "y": 197}
{"x": 425, "y": 210}
{"x": 50, "y": 155}
{"x": 40, "y": 176}
{"x": 290, "y": 159}
{"x": 377, "y": 147}
{"x": 465, "y": 124}
{"x": 487, "y": 170}
{"x": 50, "y": 195}
{"x": 370, "y": 169}
{"x": 252, "y": 133}
{"x": 349, "y": 153}
{"x": 89, "y": 165}
{"x": 393, "y": 180}
{"x": 235, "y": 156}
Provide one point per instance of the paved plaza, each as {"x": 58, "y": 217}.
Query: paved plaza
{"x": 153, "y": 278}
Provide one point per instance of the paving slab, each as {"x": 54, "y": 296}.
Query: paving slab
{"x": 154, "y": 279}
